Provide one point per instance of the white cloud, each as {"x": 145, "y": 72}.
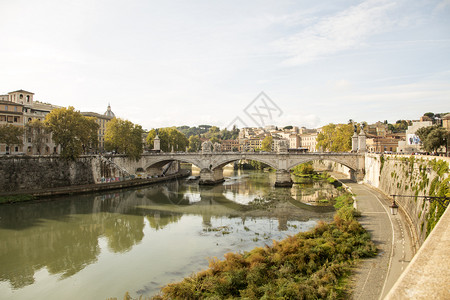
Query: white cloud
{"x": 343, "y": 31}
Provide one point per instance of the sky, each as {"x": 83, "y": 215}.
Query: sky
{"x": 166, "y": 63}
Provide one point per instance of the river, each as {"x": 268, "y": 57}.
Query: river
{"x": 100, "y": 246}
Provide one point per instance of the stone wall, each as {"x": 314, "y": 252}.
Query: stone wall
{"x": 19, "y": 173}
{"x": 29, "y": 173}
{"x": 411, "y": 176}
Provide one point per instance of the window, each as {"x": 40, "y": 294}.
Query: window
{"x": 6, "y": 107}
{"x": 28, "y": 98}
{"x": 16, "y": 119}
{"x": 20, "y": 96}
{"x": 29, "y": 140}
{"x": 16, "y": 149}
{"x": 29, "y": 149}
{"x": 29, "y": 119}
{"x": 15, "y": 108}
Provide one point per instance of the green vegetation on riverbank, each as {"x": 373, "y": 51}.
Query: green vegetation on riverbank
{"x": 309, "y": 265}
{"x": 306, "y": 170}
{"x": 15, "y": 198}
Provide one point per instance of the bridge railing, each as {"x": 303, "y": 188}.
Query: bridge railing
{"x": 251, "y": 153}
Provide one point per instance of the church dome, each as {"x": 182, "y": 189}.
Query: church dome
{"x": 109, "y": 112}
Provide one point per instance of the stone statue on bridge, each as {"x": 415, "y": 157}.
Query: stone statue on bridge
{"x": 281, "y": 146}
{"x": 217, "y": 147}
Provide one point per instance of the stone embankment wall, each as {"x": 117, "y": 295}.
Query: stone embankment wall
{"x": 411, "y": 176}
{"x": 34, "y": 172}
{"x": 22, "y": 173}
{"x": 30, "y": 173}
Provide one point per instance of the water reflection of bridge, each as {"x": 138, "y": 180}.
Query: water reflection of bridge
{"x": 120, "y": 219}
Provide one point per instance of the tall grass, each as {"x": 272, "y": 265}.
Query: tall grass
{"x": 308, "y": 265}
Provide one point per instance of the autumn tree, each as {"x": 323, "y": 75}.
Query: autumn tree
{"x": 267, "y": 143}
{"x": 170, "y": 138}
{"x": 433, "y": 137}
{"x": 11, "y": 135}
{"x": 124, "y": 137}
{"x": 71, "y": 130}
{"x": 335, "y": 138}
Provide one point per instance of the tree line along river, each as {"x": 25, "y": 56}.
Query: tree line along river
{"x": 99, "y": 246}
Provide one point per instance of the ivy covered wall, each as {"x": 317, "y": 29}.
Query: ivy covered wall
{"x": 412, "y": 176}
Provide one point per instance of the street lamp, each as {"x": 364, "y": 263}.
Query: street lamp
{"x": 443, "y": 201}
{"x": 394, "y": 207}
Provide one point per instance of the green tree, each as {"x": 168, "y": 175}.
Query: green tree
{"x": 213, "y": 134}
{"x": 335, "y": 137}
{"x": 170, "y": 138}
{"x": 37, "y": 132}
{"x": 194, "y": 143}
{"x": 124, "y": 137}
{"x": 429, "y": 115}
{"x": 214, "y": 140}
{"x": 266, "y": 144}
{"x": 399, "y": 126}
{"x": 71, "y": 130}
{"x": 433, "y": 137}
{"x": 11, "y": 135}
{"x": 234, "y": 133}
{"x": 304, "y": 169}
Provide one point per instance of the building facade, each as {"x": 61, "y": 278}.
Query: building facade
{"x": 11, "y": 113}
{"x": 102, "y": 120}
{"x": 30, "y": 110}
{"x": 309, "y": 141}
{"x": 230, "y": 145}
{"x": 20, "y": 109}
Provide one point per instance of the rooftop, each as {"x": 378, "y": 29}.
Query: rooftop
{"x": 21, "y": 91}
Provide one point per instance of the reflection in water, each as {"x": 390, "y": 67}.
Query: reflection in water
{"x": 175, "y": 224}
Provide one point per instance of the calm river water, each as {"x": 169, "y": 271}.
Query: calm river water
{"x": 102, "y": 245}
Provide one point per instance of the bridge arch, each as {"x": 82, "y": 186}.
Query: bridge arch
{"x": 160, "y": 162}
{"x": 226, "y": 160}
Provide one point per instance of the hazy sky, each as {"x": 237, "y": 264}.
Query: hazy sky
{"x": 162, "y": 63}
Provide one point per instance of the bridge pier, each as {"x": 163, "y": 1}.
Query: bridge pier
{"x": 357, "y": 176}
{"x": 283, "y": 178}
{"x": 211, "y": 177}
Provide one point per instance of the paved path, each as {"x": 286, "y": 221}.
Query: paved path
{"x": 374, "y": 277}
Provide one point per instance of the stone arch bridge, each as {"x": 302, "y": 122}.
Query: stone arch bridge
{"x": 211, "y": 164}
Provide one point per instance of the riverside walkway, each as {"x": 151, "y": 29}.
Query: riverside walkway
{"x": 374, "y": 277}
